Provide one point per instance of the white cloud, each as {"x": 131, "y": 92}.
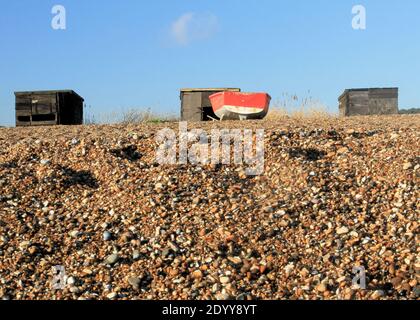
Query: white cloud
{"x": 192, "y": 27}
{"x": 180, "y": 29}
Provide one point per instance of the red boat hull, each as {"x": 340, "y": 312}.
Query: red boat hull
{"x": 240, "y": 105}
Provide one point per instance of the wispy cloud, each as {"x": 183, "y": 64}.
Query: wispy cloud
{"x": 192, "y": 27}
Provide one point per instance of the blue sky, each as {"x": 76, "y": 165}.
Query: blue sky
{"x": 138, "y": 54}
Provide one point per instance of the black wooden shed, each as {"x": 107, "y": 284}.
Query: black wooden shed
{"x": 196, "y": 105}
{"x": 58, "y": 107}
{"x": 371, "y": 101}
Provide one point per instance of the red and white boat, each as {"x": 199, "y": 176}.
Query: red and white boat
{"x": 240, "y": 105}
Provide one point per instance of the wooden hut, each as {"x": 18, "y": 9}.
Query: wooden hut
{"x": 373, "y": 101}
{"x": 195, "y": 103}
{"x": 37, "y": 108}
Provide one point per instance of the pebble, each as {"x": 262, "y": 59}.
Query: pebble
{"x": 289, "y": 268}
{"x": 394, "y": 136}
{"x": 215, "y": 288}
{"x": 342, "y": 150}
{"x": 112, "y": 259}
{"x": 378, "y": 294}
{"x": 241, "y": 297}
{"x": 33, "y": 250}
{"x": 407, "y": 166}
{"x": 134, "y": 282}
{"x": 197, "y": 274}
{"x": 342, "y": 230}
{"x": 321, "y": 287}
{"x": 173, "y": 246}
{"x": 71, "y": 281}
{"x": 74, "y": 290}
{"x": 224, "y": 280}
{"x": 235, "y": 260}
{"x": 222, "y": 297}
{"x": 166, "y": 252}
{"x": 107, "y": 236}
{"x": 136, "y": 255}
{"x": 75, "y": 233}
{"x": 112, "y": 295}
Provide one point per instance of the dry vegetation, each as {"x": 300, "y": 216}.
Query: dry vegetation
{"x": 130, "y": 116}
{"x": 292, "y": 106}
{"x": 288, "y": 106}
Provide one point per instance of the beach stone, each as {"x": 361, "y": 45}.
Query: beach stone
{"x": 222, "y": 296}
{"x": 321, "y": 287}
{"x": 71, "y": 281}
{"x": 112, "y": 259}
{"x": 112, "y": 295}
{"x": 45, "y": 162}
{"x": 224, "y": 280}
{"x": 197, "y": 274}
{"x": 74, "y": 290}
{"x": 134, "y": 282}
{"x": 407, "y": 165}
{"x": 378, "y": 294}
{"x": 235, "y": 260}
{"x": 107, "y": 236}
{"x": 136, "y": 255}
{"x": 342, "y": 230}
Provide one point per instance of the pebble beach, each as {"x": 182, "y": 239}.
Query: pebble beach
{"x": 335, "y": 194}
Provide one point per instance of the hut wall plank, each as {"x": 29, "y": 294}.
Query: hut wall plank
{"x": 374, "y": 101}
{"x": 191, "y": 106}
{"x": 42, "y": 107}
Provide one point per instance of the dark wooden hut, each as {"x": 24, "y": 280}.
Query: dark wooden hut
{"x": 195, "y": 103}
{"x": 373, "y": 101}
{"x": 37, "y": 108}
